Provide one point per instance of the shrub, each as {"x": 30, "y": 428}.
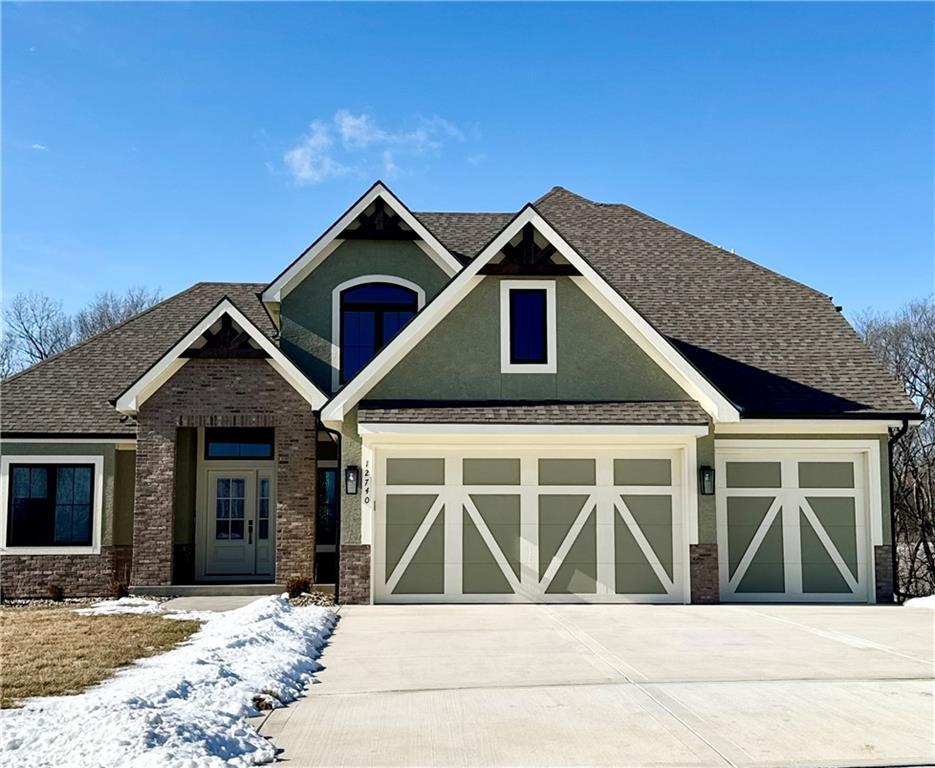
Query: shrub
{"x": 297, "y": 585}
{"x": 56, "y": 593}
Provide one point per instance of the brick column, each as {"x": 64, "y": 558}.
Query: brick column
{"x": 154, "y": 504}
{"x": 354, "y": 574}
{"x": 703, "y": 568}
{"x": 883, "y": 567}
{"x": 295, "y": 497}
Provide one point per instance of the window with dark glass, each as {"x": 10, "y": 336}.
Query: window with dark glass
{"x": 528, "y": 327}
{"x": 50, "y": 505}
{"x": 238, "y": 443}
{"x": 371, "y": 315}
{"x": 326, "y": 527}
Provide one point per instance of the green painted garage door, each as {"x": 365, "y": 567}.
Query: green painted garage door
{"x": 792, "y": 526}
{"x": 473, "y": 526}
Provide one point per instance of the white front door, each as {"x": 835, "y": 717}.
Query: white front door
{"x": 240, "y": 525}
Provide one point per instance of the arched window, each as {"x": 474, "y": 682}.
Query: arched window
{"x": 371, "y": 315}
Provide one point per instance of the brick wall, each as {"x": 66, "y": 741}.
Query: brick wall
{"x": 883, "y": 565}
{"x": 354, "y": 574}
{"x": 224, "y": 393}
{"x": 705, "y": 585}
{"x": 78, "y": 575}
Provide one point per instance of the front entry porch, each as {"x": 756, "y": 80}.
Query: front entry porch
{"x": 225, "y": 480}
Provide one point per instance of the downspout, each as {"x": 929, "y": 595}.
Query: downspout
{"x": 893, "y": 439}
{"x": 339, "y": 492}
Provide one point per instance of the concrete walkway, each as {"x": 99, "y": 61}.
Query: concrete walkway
{"x": 619, "y": 685}
{"x": 217, "y": 603}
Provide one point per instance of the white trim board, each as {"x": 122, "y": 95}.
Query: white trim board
{"x": 318, "y": 251}
{"x": 144, "y": 387}
{"x": 336, "y": 313}
{"x": 808, "y": 427}
{"x": 377, "y": 430}
{"x": 644, "y": 334}
{"x": 551, "y": 351}
{"x": 97, "y": 521}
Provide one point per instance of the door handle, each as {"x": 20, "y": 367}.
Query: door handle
{"x": 249, "y": 531}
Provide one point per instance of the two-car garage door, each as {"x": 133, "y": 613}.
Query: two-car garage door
{"x": 466, "y": 525}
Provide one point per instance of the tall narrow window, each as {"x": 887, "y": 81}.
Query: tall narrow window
{"x": 527, "y": 326}
{"x": 371, "y": 315}
{"x": 528, "y": 330}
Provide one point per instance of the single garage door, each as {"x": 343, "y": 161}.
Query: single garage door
{"x": 792, "y": 526}
{"x": 483, "y": 525}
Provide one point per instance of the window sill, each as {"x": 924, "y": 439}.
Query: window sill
{"x": 528, "y": 368}
{"x": 87, "y": 550}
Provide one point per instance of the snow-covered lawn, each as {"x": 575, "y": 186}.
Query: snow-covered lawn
{"x": 184, "y": 708}
{"x": 921, "y": 602}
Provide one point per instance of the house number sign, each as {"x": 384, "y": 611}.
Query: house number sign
{"x": 367, "y": 481}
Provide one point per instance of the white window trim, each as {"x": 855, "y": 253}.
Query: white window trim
{"x": 318, "y": 251}
{"x": 643, "y": 333}
{"x": 551, "y": 363}
{"x": 336, "y": 313}
{"x": 97, "y": 522}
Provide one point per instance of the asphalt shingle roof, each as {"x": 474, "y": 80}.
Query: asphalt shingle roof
{"x": 71, "y": 392}
{"x": 682, "y": 412}
{"x": 773, "y": 346}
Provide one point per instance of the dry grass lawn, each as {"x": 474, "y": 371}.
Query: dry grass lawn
{"x": 52, "y": 651}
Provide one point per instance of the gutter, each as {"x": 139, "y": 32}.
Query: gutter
{"x": 339, "y": 489}
{"x": 893, "y": 439}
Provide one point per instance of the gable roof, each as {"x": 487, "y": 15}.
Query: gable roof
{"x": 773, "y": 346}
{"x": 318, "y": 251}
{"x": 71, "y": 392}
{"x": 162, "y": 369}
{"x": 630, "y": 322}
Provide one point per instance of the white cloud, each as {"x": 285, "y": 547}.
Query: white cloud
{"x": 39, "y": 147}
{"x": 358, "y": 143}
{"x": 311, "y": 161}
{"x": 477, "y": 159}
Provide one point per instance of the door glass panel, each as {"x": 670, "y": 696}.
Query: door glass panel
{"x": 263, "y": 509}
{"x": 229, "y": 508}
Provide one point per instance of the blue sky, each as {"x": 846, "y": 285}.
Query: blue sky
{"x": 162, "y": 144}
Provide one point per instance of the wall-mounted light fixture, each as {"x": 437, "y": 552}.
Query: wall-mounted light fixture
{"x": 706, "y": 481}
{"x": 351, "y": 479}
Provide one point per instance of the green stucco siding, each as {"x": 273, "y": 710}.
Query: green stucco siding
{"x": 306, "y": 311}
{"x": 78, "y": 450}
{"x": 460, "y": 358}
{"x": 186, "y": 469}
{"x": 124, "y": 493}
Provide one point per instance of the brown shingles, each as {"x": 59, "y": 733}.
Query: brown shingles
{"x": 681, "y": 412}
{"x": 71, "y": 392}
{"x": 772, "y": 345}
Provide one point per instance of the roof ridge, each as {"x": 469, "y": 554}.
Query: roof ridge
{"x": 114, "y": 328}
{"x": 557, "y": 189}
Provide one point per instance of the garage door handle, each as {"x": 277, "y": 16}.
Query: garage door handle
{"x": 249, "y": 531}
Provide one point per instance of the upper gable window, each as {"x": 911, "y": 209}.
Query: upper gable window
{"x": 371, "y": 315}
{"x": 527, "y": 326}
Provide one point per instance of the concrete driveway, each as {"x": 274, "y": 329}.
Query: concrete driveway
{"x": 619, "y": 685}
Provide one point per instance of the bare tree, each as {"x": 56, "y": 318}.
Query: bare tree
{"x": 108, "y": 309}
{"x": 36, "y": 326}
{"x": 906, "y": 342}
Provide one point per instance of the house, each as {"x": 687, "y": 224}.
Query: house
{"x": 574, "y": 402}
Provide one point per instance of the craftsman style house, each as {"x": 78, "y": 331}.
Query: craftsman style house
{"x": 573, "y": 402}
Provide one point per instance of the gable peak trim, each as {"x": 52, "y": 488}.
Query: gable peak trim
{"x": 319, "y": 250}
{"x": 162, "y": 370}
{"x": 645, "y": 334}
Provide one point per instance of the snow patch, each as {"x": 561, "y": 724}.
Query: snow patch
{"x": 184, "y": 708}
{"x": 921, "y": 602}
{"x": 123, "y": 605}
